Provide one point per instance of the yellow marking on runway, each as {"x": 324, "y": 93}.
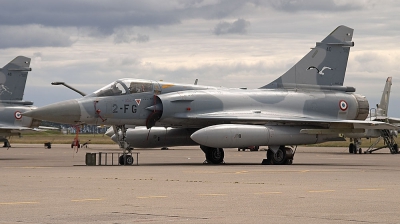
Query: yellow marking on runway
{"x": 153, "y": 196}
{"x": 88, "y": 199}
{"x": 321, "y": 191}
{"x": 272, "y": 192}
{"x": 290, "y": 171}
{"x": 371, "y": 189}
{"x": 240, "y": 172}
{"x": 19, "y": 203}
{"x": 212, "y": 194}
{"x": 202, "y": 172}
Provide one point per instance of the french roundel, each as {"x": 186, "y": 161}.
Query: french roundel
{"x": 343, "y": 105}
{"x": 17, "y": 115}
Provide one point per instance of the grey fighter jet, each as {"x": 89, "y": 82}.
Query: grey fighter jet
{"x": 307, "y": 104}
{"x": 12, "y": 86}
{"x": 380, "y": 113}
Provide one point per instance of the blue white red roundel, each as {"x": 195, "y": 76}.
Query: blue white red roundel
{"x": 343, "y": 105}
{"x": 17, "y": 115}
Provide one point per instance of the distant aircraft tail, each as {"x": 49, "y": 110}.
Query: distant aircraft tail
{"x": 13, "y": 79}
{"x": 323, "y": 67}
{"x": 383, "y": 106}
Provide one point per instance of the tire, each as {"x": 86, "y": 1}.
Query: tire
{"x": 129, "y": 160}
{"x": 270, "y": 154}
{"x": 121, "y": 160}
{"x": 351, "y": 148}
{"x": 215, "y": 156}
{"x": 279, "y": 158}
{"x": 360, "y": 151}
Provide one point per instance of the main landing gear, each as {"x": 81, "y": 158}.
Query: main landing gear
{"x": 213, "y": 155}
{"x": 120, "y": 132}
{"x": 355, "y": 147}
{"x": 6, "y": 144}
{"x": 279, "y": 155}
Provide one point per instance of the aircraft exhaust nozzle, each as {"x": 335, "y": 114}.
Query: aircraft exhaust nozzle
{"x": 67, "y": 112}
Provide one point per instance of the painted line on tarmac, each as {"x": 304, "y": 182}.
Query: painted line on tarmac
{"x": 371, "y": 189}
{"x": 19, "y": 203}
{"x": 321, "y": 191}
{"x": 212, "y": 194}
{"x": 87, "y": 199}
{"x": 152, "y": 196}
{"x": 241, "y": 172}
{"x": 272, "y": 192}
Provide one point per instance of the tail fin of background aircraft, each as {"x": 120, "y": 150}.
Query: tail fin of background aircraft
{"x": 324, "y": 65}
{"x": 383, "y": 106}
{"x": 13, "y": 79}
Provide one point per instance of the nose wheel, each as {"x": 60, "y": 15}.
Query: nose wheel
{"x": 126, "y": 160}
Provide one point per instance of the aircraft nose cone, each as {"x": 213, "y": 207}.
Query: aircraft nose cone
{"x": 67, "y": 112}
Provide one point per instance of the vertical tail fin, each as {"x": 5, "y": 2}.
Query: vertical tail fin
{"x": 383, "y": 106}
{"x": 13, "y": 79}
{"x": 324, "y": 65}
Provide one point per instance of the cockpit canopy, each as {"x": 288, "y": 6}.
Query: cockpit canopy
{"x": 127, "y": 86}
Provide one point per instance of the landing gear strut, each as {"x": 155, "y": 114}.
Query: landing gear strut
{"x": 6, "y": 144}
{"x": 279, "y": 155}
{"x": 120, "y": 132}
{"x": 355, "y": 147}
{"x": 213, "y": 155}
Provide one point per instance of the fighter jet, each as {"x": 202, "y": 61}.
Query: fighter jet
{"x": 380, "y": 113}
{"x": 303, "y": 106}
{"x": 12, "y": 86}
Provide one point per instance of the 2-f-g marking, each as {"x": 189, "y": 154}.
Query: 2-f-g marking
{"x": 126, "y": 107}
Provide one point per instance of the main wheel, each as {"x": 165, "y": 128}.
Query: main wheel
{"x": 352, "y": 148}
{"x": 215, "y": 155}
{"x": 279, "y": 157}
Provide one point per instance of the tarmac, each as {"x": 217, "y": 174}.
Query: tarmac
{"x": 324, "y": 185}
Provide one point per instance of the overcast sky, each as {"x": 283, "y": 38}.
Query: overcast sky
{"x": 234, "y": 43}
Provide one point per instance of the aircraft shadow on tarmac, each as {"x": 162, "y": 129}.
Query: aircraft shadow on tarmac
{"x": 15, "y": 159}
{"x": 258, "y": 164}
